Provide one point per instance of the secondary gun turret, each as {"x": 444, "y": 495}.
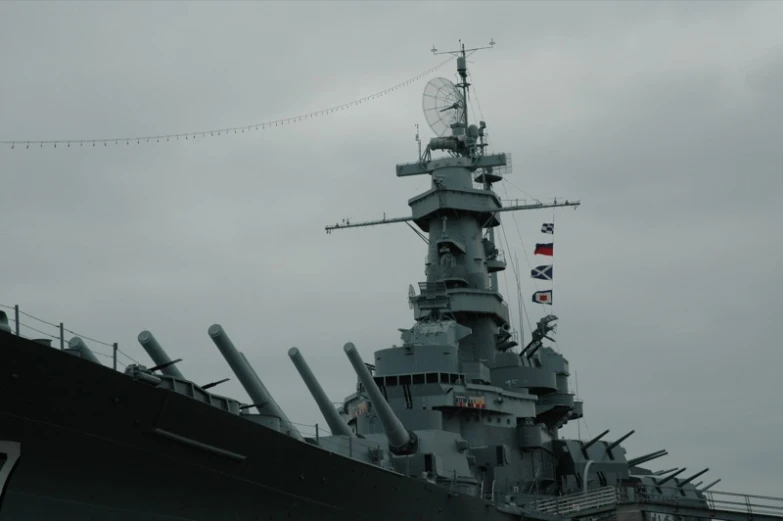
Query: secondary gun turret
{"x": 336, "y": 424}
{"x": 401, "y": 440}
{"x": 158, "y": 355}
{"x": 262, "y": 400}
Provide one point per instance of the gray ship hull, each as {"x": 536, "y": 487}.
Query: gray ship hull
{"x": 97, "y": 445}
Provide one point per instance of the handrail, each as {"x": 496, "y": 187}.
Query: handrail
{"x": 580, "y": 501}
{"x": 59, "y": 334}
{"x": 772, "y": 506}
{"x": 711, "y": 502}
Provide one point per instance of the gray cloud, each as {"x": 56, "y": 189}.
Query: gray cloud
{"x": 663, "y": 118}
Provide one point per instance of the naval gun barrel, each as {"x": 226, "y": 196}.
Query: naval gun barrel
{"x": 647, "y": 457}
{"x": 590, "y": 443}
{"x": 688, "y": 480}
{"x": 336, "y": 424}
{"x": 618, "y": 442}
{"x": 250, "y": 380}
{"x": 158, "y": 355}
{"x": 670, "y": 476}
{"x": 401, "y": 440}
{"x": 705, "y": 489}
{"x": 78, "y": 345}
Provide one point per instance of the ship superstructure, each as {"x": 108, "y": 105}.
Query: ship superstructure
{"x": 481, "y": 415}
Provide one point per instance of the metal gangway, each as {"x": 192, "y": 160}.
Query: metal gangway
{"x": 725, "y": 506}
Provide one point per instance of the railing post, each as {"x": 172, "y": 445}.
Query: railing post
{"x": 16, "y": 318}
{"x": 62, "y": 337}
{"x": 317, "y": 436}
{"x": 115, "y": 348}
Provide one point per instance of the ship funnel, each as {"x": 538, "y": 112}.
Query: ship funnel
{"x": 647, "y": 457}
{"x": 262, "y": 400}
{"x": 77, "y": 346}
{"x": 336, "y": 424}
{"x": 158, "y": 355}
{"x": 401, "y": 440}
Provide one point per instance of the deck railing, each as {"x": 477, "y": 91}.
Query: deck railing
{"x": 19, "y": 322}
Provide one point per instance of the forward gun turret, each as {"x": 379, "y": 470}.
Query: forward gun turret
{"x": 336, "y": 424}
{"x": 76, "y": 346}
{"x": 401, "y": 440}
{"x": 262, "y": 400}
{"x": 158, "y": 355}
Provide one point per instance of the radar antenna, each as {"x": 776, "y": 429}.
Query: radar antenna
{"x": 462, "y": 68}
{"x": 411, "y": 296}
{"x": 443, "y": 104}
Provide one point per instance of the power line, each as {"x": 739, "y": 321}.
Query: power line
{"x": 67, "y": 143}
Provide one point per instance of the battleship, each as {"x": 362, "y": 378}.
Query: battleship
{"x": 461, "y": 422}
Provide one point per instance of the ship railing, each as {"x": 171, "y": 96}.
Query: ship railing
{"x": 592, "y": 500}
{"x": 519, "y": 202}
{"x": 20, "y": 323}
{"x": 500, "y": 256}
{"x": 751, "y": 504}
{"x": 729, "y": 502}
{"x": 353, "y": 447}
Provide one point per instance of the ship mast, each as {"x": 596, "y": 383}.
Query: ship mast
{"x": 462, "y": 70}
{"x": 462, "y": 266}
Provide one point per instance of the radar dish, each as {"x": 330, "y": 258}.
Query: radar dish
{"x": 411, "y": 295}
{"x": 443, "y": 105}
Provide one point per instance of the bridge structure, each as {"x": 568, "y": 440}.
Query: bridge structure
{"x": 629, "y": 504}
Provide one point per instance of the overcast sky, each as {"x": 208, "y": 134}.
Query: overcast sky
{"x": 663, "y": 118}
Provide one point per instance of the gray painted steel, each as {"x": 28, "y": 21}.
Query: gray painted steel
{"x": 247, "y": 376}
{"x": 398, "y": 435}
{"x": 158, "y": 354}
{"x": 335, "y": 422}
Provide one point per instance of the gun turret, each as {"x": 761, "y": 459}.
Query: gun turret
{"x": 262, "y": 400}
{"x": 647, "y": 457}
{"x": 158, "y": 355}
{"x": 401, "y": 440}
{"x": 77, "y": 346}
{"x": 336, "y": 424}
